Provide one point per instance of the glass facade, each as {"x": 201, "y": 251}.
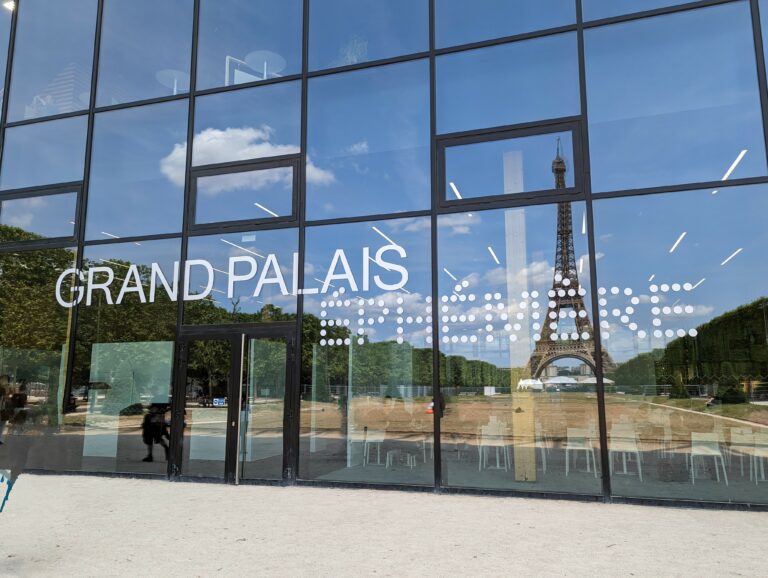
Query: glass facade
{"x": 499, "y": 246}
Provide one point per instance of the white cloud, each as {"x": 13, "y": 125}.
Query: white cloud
{"x": 252, "y": 180}
{"x": 21, "y": 220}
{"x": 459, "y": 223}
{"x": 213, "y": 146}
{"x": 358, "y": 148}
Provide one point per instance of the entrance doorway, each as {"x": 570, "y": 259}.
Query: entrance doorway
{"x": 232, "y": 404}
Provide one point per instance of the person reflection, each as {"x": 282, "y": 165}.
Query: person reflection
{"x": 154, "y": 430}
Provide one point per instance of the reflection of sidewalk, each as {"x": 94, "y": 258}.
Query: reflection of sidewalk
{"x": 274, "y": 531}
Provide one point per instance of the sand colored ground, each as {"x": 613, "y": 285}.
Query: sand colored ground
{"x": 92, "y": 526}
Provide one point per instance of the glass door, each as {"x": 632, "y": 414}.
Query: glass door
{"x": 263, "y": 417}
{"x": 230, "y": 407}
{"x": 208, "y": 371}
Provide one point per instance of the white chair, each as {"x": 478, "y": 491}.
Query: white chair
{"x": 579, "y": 440}
{"x": 624, "y": 442}
{"x": 743, "y": 444}
{"x": 373, "y": 437}
{"x": 493, "y": 435}
{"x": 760, "y": 454}
{"x": 542, "y": 443}
{"x": 707, "y": 445}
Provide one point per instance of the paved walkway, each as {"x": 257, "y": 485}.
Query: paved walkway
{"x": 90, "y": 526}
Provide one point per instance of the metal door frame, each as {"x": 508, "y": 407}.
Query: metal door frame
{"x": 236, "y": 335}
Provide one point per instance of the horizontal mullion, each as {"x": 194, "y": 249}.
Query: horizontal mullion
{"x": 203, "y": 230}
{"x": 39, "y": 244}
{"x": 536, "y": 127}
{"x": 261, "y": 163}
{"x": 134, "y": 239}
{"x": 654, "y": 12}
{"x": 369, "y": 218}
{"x": 515, "y": 201}
{"x": 144, "y": 102}
{"x": 42, "y": 191}
{"x": 245, "y": 85}
{"x": 39, "y": 119}
{"x": 506, "y": 39}
{"x": 369, "y": 64}
{"x": 682, "y": 187}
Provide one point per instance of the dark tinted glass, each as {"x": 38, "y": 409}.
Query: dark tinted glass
{"x": 44, "y": 153}
{"x": 137, "y": 172}
{"x": 517, "y": 350}
{"x": 460, "y": 22}
{"x": 5, "y": 33}
{"x": 38, "y": 217}
{"x": 508, "y": 84}
{"x": 594, "y": 9}
{"x": 53, "y": 58}
{"x": 242, "y": 277}
{"x": 674, "y": 99}
{"x": 33, "y": 365}
{"x": 509, "y": 166}
{"x": 145, "y": 50}
{"x": 343, "y": 32}
{"x": 244, "y": 195}
{"x": 367, "y": 360}
{"x": 247, "y": 124}
{"x": 123, "y": 362}
{"x": 685, "y": 326}
{"x": 368, "y": 142}
{"x": 247, "y": 41}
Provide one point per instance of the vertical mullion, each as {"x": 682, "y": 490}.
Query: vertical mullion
{"x": 762, "y": 83}
{"x": 83, "y": 196}
{"x": 294, "y": 440}
{"x": 7, "y": 79}
{"x": 596, "y": 329}
{"x": 177, "y": 397}
{"x": 437, "y": 397}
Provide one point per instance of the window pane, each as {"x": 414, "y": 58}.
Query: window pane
{"x": 137, "y": 171}
{"x": 33, "y": 366}
{"x": 246, "y": 195}
{"x": 368, "y": 142}
{"x": 343, "y": 32}
{"x": 517, "y": 350}
{"x": 38, "y": 217}
{"x": 594, "y": 9}
{"x": 44, "y": 153}
{"x": 457, "y": 22}
{"x": 685, "y": 328}
{"x": 248, "y": 124}
{"x": 674, "y": 99}
{"x": 367, "y": 361}
{"x": 144, "y": 57}
{"x": 248, "y": 40}
{"x": 508, "y": 84}
{"x": 252, "y": 277}
{"x": 53, "y": 58}
{"x": 124, "y": 352}
{"x": 509, "y": 166}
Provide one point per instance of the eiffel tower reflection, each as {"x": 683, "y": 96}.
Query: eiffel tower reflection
{"x": 566, "y": 298}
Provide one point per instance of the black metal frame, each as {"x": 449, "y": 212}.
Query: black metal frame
{"x": 578, "y": 124}
{"x": 444, "y": 142}
{"x": 236, "y": 336}
{"x": 75, "y": 188}
{"x": 291, "y": 162}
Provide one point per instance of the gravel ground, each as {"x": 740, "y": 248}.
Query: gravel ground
{"x": 91, "y": 526}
